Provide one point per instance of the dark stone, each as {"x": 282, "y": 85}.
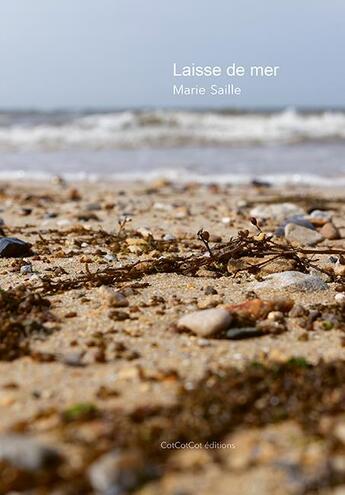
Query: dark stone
{"x": 11, "y": 247}
{"x": 243, "y": 333}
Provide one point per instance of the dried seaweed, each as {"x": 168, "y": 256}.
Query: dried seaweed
{"x": 258, "y": 247}
{"x": 23, "y": 314}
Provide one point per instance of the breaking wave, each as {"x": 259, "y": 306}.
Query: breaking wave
{"x": 159, "y": 129}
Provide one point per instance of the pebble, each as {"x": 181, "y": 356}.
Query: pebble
{"x": 295, "y": 219}
{"x": 26, "y": 453}
{"x": 110, "y": 257}
{"x": 11, "y": 247}
{"x": 243, "y": 333}
{"x": 340, "y": 298}
{"x": 278, "y": 211}
{"x": 298, "y": 311}
{"x": 206, "y": 323}
{"x": 330, "y": 232}
{"x": 116, "y": 473}
{"x": 339, "y": 269}
{"x": 209, "y": 290}
{"x": 113, "y": 298}
{"x": 320, "y": 217}
{"x": 291, "y": 280}
{"x": 25, "y": 269}
{"x": 169, "y": 237}
{"x": 302, "y": 235}
{"x": 275, "y": 316}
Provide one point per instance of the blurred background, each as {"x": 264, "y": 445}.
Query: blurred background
{"x": 86, "y": 90}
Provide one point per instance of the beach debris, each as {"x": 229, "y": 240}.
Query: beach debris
{"x": 117, "y": 472}
{"x": 244, "y": 253}
{"x": 292, "y": 280}
{"x": 23, "y": 313}
{"x": 329, "y": 231}
{"x": 276, "y": 211}
{"x": 302, "y": 235}
{"x": 206, "y": 323}
{"x": 26, "y": 453}
{"x": 11, "y": 247}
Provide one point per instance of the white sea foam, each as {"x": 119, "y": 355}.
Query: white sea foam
{"x": 147, "y": 129}
{"x": 179, "y": 177}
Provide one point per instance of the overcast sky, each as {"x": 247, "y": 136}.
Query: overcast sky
{"x": 119, "y": 53}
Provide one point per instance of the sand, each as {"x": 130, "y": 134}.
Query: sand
{"x": 97, "y": 358}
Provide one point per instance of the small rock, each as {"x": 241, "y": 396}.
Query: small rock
{"x": 340, "y": 298}
{"x": 26, "y": 453}
{"x": 243, "y": 333}
{"x": 25, "y": 269}
{"x": 319, "y": 217}
{"x": 169, "y": 237}
{"x": 11, "y": 247}
{"x": 302, "y": 235}
{"x": 329, "y": 231}
{"x": 275, "y": 316}
{"x": 110, "y": 257}
{"x": 113, "y": 298}
{"x": 117, "y": 473}
{"x": 339, "y": 269}
{"x": 86, "y": 216}
{"x": 209, "y": 290}
{"x": 298, "y": 311}
{"x": 291, "y": 280}
{"x": 278, "y": 211}
{"x": 93, "y": 207}
{"x": 252, "y": 310}
{"x": 206, "y": 323}
{"x": 295, "y": 219}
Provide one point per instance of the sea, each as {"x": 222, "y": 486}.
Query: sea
{"x": 221, "y": 146}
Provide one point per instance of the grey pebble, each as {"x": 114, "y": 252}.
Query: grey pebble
{"x": 26, "y": 453}
{"x": 291, "y": 280}
{"x": 302, "y": 235}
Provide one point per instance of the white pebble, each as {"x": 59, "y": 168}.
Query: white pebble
{"x": 340, "y": 298}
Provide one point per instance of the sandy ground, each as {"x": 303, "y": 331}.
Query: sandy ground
{"x": 132, "y": 358}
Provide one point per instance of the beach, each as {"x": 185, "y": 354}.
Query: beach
{"x": 101, "y": 365}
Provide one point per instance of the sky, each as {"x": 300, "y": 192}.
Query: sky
{"x": 72, "y": 54}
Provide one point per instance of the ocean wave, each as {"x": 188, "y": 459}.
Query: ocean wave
{"x": 159, "y": 129}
